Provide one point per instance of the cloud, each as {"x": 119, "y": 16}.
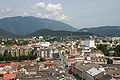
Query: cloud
{"x": 42, "y": 15}
{"x": 24, "y": 14}
{"x": 39, "y": 5}
{"x": 7, "y": 10}
{"x": 51, "y": 11}
{"x": 53, "y": 7}
{"x": 63, "y": 17}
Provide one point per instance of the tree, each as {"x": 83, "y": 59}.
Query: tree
{"x": 1, "y": 75}
{"x": 109, "y": 61}
{"x": 103, "y": 48}
{"x": 5, "y": 53}
{"x": 32, "y": 57}
{"x": 1, "y": 58}
{"x": 21, "y": 58}
{"x": 117, "y": 50}
{"x": 67, "y": 52}
{"x": 42, "y": 59}
{"x": 8, "y": 57}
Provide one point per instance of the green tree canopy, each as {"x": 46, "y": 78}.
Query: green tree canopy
{"x": 103, "y": 48}
{"x": 117, "y": 50}
{"x": 109, "y": 61}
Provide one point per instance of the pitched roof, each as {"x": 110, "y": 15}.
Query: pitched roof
{"x": 94, "y": 71}
{"x": 27, "y": 62}
{"x": 6, "y": 64}
{"x": 14, "y": 63}
{"x": 14, "y": 46}
{"x": 50, "y": 63}
{"x": 9, "y": 76}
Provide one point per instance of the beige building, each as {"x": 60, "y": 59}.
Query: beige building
{"x": 20, "y": 50}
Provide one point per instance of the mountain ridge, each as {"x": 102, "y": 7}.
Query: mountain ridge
{"x": 103, "y": 30}
{"x": 48, "y": 32}
{"x": 30, "y": 25}
{"x": 4, "y": 33}
{"x": 24, "y": 25}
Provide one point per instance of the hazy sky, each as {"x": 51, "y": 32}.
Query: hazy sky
{"x": 78, "y": 13}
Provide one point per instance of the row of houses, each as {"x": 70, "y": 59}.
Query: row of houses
{"x": 47, "y": 52}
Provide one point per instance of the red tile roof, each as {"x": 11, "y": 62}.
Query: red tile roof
{"x": 6, "y": 64}
{"x": 9, "y": 76}
{"x": 14, "y": 46}
{"x": 27, "y": 62}
{"x": 14, "y": 63}
{"x": 47, "y": 64}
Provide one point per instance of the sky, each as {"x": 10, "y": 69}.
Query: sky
{"x": 78, "y": 13}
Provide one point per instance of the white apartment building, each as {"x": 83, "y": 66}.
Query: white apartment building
{"x": 89, "y": 43}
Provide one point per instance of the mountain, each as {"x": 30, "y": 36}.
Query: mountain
{"x": 24, "y": 25}
{"x": 6, "y": 34}
{"x": 103, "y": 31}
{"x": 48, "y": 32}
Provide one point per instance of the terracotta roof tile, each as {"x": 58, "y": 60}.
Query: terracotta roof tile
{"x": 9, "y": 76}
